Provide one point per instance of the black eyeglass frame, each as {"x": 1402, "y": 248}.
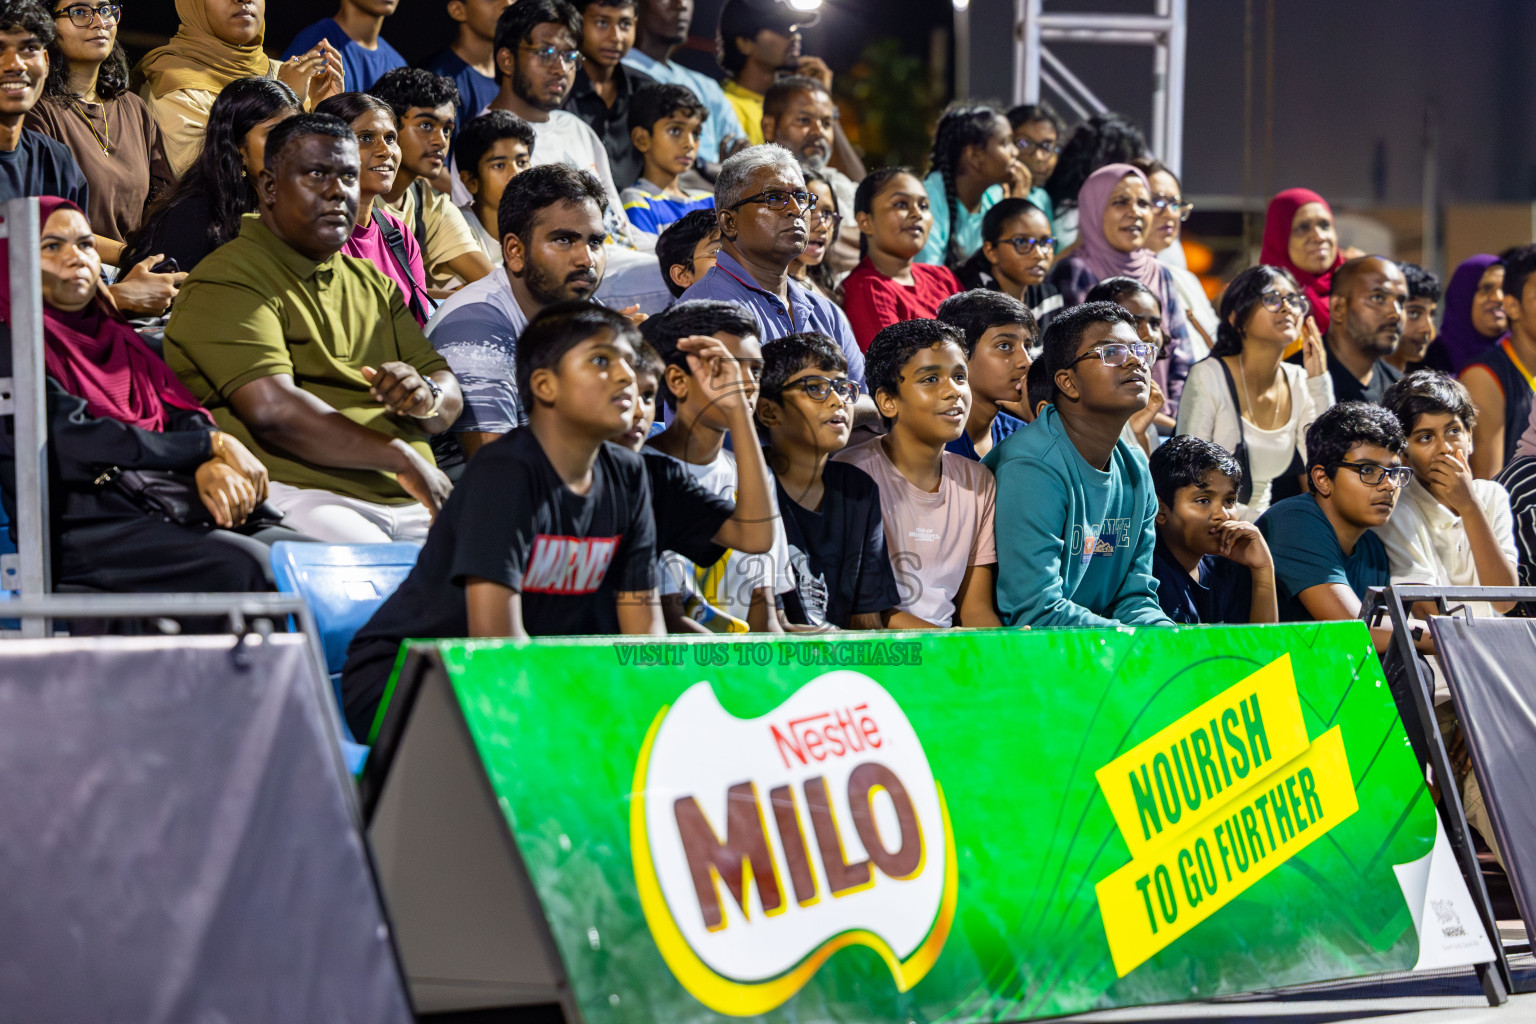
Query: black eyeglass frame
{"x": 831, "y": 384}
{"x": 115, "y": 17}
{"x": 1025, "y": 243}
{"x": 1368, "y": 469}
{"x": 804, "y": 200}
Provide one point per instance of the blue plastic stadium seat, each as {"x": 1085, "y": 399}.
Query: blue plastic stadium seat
{"x": 343, "y": 584}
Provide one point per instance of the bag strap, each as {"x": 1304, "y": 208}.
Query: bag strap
{"x": 419, "y": 229}
{"x": 1245, "y": 492}
{"x": 396, "y": 242}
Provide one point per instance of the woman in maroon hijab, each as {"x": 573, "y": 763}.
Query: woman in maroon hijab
{"x": 1300, "y": 236}
{"x": 114, "y": 405}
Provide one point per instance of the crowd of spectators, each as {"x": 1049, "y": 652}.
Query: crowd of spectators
{"x": 630, "y": 348}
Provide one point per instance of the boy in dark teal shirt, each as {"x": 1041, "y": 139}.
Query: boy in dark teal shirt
{"x": 1326, "y": 556}
{"x": 1075, "y": 548}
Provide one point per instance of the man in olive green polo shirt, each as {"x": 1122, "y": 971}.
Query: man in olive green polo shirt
{"x": 311, "y": 358}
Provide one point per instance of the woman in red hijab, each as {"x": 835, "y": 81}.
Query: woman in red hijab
{"x": 1299, "y": 236}
{"x": 114, "y": 405}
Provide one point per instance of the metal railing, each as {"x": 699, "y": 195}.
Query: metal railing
{"x": 1413, "y": 689}
{"x": 23, "y": 396}
{"x": 1164, "y": 31}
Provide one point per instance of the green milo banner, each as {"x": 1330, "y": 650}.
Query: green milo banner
{"x": 980, "y": 826}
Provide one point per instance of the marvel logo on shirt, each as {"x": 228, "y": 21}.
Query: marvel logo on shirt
{"x": 568, "y": 565}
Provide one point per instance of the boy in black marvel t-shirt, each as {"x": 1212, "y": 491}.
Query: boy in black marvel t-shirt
{"x": 549, "y": 532}
{"x": 831, "y": 510}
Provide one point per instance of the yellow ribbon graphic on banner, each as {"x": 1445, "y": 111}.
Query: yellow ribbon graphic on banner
{"x": 1211, "y": 804}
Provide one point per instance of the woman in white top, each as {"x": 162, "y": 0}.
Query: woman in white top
{"x": 1449, "y": 529}
{"x": 1244, "y": 398}
{"x": 1169, "y": 212}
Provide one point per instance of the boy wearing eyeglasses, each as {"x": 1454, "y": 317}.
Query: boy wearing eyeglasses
{"x": 1326, "y": 556}
{"x": 687, "y": 248}
{"x": 937, "y": 506}
{"x": 1079, "y": 551}
{"x": 831, "y": 510}
{"x": 664, "y": 125}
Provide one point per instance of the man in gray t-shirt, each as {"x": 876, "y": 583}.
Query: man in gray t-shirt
{"x": 552, "y": 239}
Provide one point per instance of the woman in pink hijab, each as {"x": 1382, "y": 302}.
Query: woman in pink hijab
{"x": 1114, "y": 219}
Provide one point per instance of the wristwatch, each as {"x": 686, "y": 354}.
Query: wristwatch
{"x": 437, "y": 400}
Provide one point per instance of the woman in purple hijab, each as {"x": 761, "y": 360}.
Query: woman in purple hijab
{"x": 1474, "y": 311}
{"x": 1114, "y": 218}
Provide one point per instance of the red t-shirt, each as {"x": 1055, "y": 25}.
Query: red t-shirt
{"x": 874, "y": 301}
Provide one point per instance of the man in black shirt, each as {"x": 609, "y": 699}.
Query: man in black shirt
{"x": 843, "y": 575}
{"x": 1366, "y": 311}
{"x": 31, "y": 164}
{"x": 604, "y": 86}
{"x": 549, "y": 532}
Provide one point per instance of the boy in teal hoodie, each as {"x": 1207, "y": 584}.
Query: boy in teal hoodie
{"x": 1075, "y": 545}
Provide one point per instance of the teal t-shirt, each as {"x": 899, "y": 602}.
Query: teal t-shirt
{"x": 1074, "y": 543}
{"x": 1307, "y": 554}
{"x": 1041, "y": 198}
{"x": 968, "y": 231}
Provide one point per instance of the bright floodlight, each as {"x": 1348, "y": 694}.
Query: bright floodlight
{"x": 961, "y": 5}
{"x": 805, "y": 5}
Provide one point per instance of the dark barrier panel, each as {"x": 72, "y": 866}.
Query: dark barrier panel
{"x": 175, "y": 840}
{"x": 1491, "y": 668}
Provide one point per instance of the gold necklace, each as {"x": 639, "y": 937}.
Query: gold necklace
{"x": 104, "y": 143}
{"x": 1243, "y": 373}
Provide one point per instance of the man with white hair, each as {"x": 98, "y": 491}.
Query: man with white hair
{"x": 760, "y": 205}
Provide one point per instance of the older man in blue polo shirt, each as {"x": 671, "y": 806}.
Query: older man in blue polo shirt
{"x": 760, "y": 203}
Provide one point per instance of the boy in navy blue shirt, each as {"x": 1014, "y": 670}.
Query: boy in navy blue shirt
{"x": 1210, "y": 566}
{"x": 999, "y": 332}
{"x": 1326, "y": 556}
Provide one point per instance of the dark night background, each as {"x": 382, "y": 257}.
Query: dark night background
{"x": 1351, "y": 82}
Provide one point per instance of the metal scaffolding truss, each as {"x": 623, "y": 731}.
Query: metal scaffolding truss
{"x": 1163, "y": 30}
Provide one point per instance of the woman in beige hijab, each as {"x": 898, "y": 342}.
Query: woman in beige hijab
{"x": 219, "y": 41}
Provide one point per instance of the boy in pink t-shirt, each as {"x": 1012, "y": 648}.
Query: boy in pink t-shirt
{"x": 937, "y": 506}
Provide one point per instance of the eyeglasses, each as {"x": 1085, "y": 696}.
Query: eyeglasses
{"x": 1118, "y": 353}
{"x": 1372, "y": 474}
{"x": 1274, "y": 302}
{"x": 81, "y": 15}
{"x": 1177, "y": 204}
{"x": 1048, "y": 148}
{"x": 816, "y": 218}
{"x": 550, "y": 54}
{"x": 818, "y": 388}
{"x": 1024, "y": 243}
{"x": 707, "y": 254}
{"x": 778, "y": 199}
